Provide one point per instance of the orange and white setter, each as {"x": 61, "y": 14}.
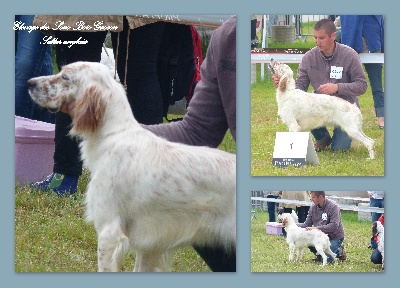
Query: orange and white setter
{"x": 303, "y": 111}
{"x": 146, "y": 195}
{"x": 300, "y": 238}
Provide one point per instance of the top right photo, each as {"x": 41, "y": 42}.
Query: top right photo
{"x": 317, "y": 95}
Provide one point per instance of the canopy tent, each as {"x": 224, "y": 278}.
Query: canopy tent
{"x": 212, "y": 21}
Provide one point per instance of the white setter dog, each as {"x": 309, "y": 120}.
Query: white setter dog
{"x": 146, "y": 195}
{"x": 379, "y": 231}
{"x": 302, "y": 111}
{"x": 299, "y": 238}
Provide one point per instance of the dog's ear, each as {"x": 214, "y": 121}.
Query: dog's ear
{"x": 89, "y": 111}
{"x": 282, "y": 84}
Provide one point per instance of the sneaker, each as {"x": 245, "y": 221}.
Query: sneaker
{"x": 342, "y": 253}
{"x": 321, "y": 146}
{"x": 61, "y": 184}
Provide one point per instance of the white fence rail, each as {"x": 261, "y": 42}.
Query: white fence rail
{"x": 307, "y": 203}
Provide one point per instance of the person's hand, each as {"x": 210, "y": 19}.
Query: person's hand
{"x": 328, "y": 88}
{"x": 275, "y": 80}
{"x": 310, "y": 228}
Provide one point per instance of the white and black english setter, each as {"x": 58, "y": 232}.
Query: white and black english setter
{"x": 146, "y": 195}
{"x": 379, "y": 231}
{"x": 299, "y": 239}
{"x": 302, "y": 111}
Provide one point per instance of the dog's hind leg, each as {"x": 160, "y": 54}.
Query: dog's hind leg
{"x": 364, "y": 139}
{"x": 153, "y": 261}
{"x": 333, "y": 255}
{"x": 321, "y": 252}
{"x": 112, "y": 247}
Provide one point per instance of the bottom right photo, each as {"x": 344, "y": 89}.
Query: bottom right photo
{"x": 317, "y": 231}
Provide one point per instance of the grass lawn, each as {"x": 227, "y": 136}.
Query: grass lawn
{"x": 270, "y": 253}
{"x": 265, "y": 123}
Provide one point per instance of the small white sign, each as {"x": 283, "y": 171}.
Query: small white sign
{"x": 336, "y": 72}
{"x": 293, "y": 148}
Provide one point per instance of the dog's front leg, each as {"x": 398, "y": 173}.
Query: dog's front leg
{"x": 292, "y": 247}
{"x": 112, "y": 247}
{"x": 152, "y": 261}
{"x": 300, "y": 254}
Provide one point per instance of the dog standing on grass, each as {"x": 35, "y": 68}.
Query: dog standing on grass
{"x": 303, "y": 111}
{"x": 146, "y": 194}
{"x": 299, "y": 239}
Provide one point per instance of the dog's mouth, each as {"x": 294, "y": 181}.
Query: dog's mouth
{"x": 270, "y": 66}
{"x": 53, "y": 110}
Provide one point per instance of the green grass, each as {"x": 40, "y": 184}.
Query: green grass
{"x": 51, "y": 234}
{"x": 270, "y": 253}
{"x": 265, "y": 123}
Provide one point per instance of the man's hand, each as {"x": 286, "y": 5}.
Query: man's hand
{"x": 275, "y": 80}
{"x": 310, "y": 228}
{"x": 328, "y": 88}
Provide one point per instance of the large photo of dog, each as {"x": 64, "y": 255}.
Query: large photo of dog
{"x": 338, "y": 102}
{"x": 149, "y": 192}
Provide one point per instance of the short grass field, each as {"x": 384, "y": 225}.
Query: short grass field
{"x": 51, "y": 234}
{"x": 270, "y": 253}
{"x": 265, "y": 123}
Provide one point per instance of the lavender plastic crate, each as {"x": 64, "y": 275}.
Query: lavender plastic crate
{"x": 34, "y": 149}
{"x": 273, "y": 228}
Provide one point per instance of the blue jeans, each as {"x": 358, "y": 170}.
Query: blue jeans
{"x": 335, "y": 244}
{"x": 376, "y": 257}
{"x": 374, "y": 71}
{"x": 271, "y": 207}
{"x": 340, "y": 139}
{"x": 32, "y": 59}
{"x": 376, "y": 203}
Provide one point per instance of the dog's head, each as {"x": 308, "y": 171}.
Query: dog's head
{"x": 80, "y": 90}
{"x": 279, "y": 69}
{"x": 285, "y": 219}
{"x": 377, "y": 228}
{"x": 282, "y": 71}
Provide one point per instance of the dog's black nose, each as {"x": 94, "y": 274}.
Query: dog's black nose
{"x": 272, "y": 59}
{"x": 31, "y": 83}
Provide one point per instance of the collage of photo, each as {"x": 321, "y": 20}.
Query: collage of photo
{"x": 125, "y": 142}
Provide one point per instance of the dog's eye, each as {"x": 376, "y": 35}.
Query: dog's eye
{"x": 64, "y": 77}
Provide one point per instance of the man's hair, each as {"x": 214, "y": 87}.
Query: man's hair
{"x": 325, "y": 24}
{"x": 318, "y": 193}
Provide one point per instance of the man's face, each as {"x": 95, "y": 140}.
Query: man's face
{"x": 324, "y": 42}
{"x": 317, "y": 200}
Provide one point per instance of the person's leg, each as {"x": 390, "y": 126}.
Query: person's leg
{"x": 32, "y": 59}
{"x": 271, "y": 209}
{"x": 340, "y": 140}
{"x": 217, "y": 258}
{"x": 143, "y": 88}
{"x": 338, "y": 249}
{"x": 374, "y": 71}
{"x": 302, "y": 212}
{"x": 375, "y": 203}
{"x": 322, "y": 138}
{"x": 376, "y": 257}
